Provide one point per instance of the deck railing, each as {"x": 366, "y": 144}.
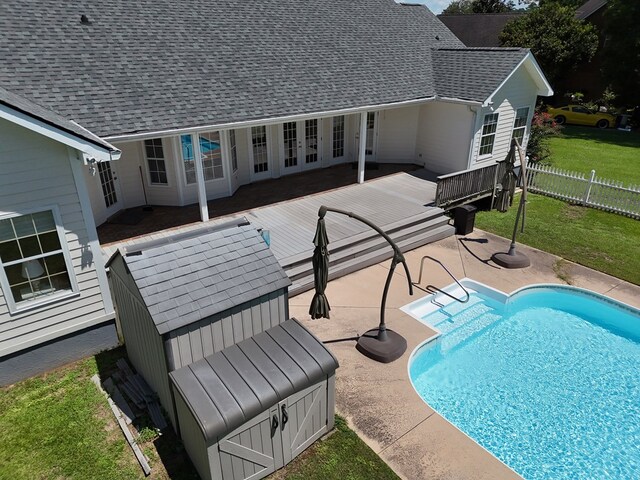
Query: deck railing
{"x": 466, "y": 186}
{"x": 589, "y": 191}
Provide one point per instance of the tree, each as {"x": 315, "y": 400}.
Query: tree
{"x": 558, "y": 40}
{"x": 621, "y": 52}
{"x": 457, "y": 7}
{"x": 574, "y": 4}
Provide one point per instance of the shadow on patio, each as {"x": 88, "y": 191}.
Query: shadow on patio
{"x": 247, "y": 197}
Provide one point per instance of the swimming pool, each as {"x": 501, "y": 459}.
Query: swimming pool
{"x": 547, "y": 379}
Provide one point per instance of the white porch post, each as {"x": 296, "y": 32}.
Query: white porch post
{"x": 202, "y": 191}
{"x": 226, "y": 158}
{"x": 362, "y": 150}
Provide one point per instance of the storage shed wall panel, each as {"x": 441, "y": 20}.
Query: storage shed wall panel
{"x": 210, "y": 335}
{"x": 193, "y": 439}
{"x": 144, "y": 345}
{"x": 35, "y": 174}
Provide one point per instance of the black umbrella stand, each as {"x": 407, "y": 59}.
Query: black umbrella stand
{"x": 380, "y": 344}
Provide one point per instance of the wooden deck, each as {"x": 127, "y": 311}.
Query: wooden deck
{"x": 292, "y": 225}
{"x": 402, "y": 203}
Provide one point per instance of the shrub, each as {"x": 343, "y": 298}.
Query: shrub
{"x": 543, "y": 126}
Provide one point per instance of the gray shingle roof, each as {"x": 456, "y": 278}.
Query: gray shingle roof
{"x": 202, "y": 274}
{"x": 150, "y": 65}
{"x": 479, "y": 29}
{"x": 33, "y": 110}
{"x": 589, "y": 8}
{"x": 473, "y": 73}
{"x": 230, "y": 387}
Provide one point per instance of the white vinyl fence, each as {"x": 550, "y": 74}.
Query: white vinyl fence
{"x": 591, "y": 192}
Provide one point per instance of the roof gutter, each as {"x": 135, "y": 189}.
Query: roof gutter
{"x": 277, "y": 120}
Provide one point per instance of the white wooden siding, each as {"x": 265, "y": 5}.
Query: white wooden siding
{"x": 143, "y": 342}
{"x": 444, "y": 136}
{"x": 212, "y": 334}
{"x": 35, "y": 172}
{"x": 397, "y": 130}
{"x": 519, "y": 91}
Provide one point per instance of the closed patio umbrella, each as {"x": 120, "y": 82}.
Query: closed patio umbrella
{"x": 319, "y": 304}
{"x": 508, "y": 182}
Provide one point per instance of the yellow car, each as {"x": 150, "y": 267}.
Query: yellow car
{"x": 579, "y": 115}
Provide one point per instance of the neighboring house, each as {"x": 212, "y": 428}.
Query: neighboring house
{"x": 483, "y": 30}
{"x": 479, "y": 29}
{"x": 207, "y": 97}
{"x": 54, "y": 298}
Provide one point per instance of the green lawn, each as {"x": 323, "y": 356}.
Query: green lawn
{"x": 600, "y": 240}
{"x": 58, "y": 425}
{"x": 613, "y": 154}
{"x": 341, "y": 456}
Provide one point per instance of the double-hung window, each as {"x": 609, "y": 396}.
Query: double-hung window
{"x": 35, "y": 266}
{"x": 155, "y": 161}
{"x": 520, "y": 124}
{"x": 488, "y": 138}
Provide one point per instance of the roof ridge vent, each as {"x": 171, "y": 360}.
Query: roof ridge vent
{"x": 84, "y": 20}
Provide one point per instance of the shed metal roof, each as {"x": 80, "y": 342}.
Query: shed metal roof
{"x": 188, "y": 277}
{"x": 230, "y": 387}
{"x": 162, "y": 65}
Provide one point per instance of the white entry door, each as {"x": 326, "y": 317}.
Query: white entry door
{"x": 372, "y": 137}
{"x": 300, "y": 145}
{"x": 110, "y": 188}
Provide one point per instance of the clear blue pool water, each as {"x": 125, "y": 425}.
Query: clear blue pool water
{"x": 548, "y": 382}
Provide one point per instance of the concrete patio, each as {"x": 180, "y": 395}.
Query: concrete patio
{"x": 378, "y": 400}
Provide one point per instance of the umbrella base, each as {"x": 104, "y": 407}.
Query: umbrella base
{"x": 515, "y": 260}
{"x": 383, "y": 351}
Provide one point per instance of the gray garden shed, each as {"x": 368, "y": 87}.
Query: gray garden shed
{"x": 189, "y": 295}
{"x": 248, "y": 410}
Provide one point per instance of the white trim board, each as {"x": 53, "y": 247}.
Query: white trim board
{"x": 59, "y": 135}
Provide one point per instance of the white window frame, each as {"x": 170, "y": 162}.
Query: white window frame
{"x": 66, "y": 253}
{"x": 522, "y": 127}
{"x": 195, "y": 137}
{"x": 146, "y": 162}
{"x": 485, "y": 156}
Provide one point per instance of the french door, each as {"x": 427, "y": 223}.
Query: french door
{"x": 300, "y": 144}
{"x": 259, "y": 152}
{"x": 110, "y": 188}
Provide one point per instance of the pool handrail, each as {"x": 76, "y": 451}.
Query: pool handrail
{"x": 433, "y": 288}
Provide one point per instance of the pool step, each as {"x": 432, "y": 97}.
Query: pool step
{"x": 455, "y": 315}
{"x": 468, "y": 330}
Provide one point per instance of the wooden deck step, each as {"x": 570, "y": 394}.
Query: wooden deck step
{"x": 364, "y": 250}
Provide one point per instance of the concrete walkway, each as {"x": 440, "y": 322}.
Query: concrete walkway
{"x": 378, "y": 400}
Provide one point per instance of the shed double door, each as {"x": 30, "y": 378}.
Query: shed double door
{"x": 276, "y": 436}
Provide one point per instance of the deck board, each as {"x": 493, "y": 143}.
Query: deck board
{"x": 292, "y": 224}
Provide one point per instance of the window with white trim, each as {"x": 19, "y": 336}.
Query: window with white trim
{"x": 520, "y": 124}
{"x": 33, "y": 262}
{"x": 489, "y": 126}
{"x": 259, "y": 145}
{"x": 155, "y": 161}
{"x": 234, "y": 151}
{"x": 211, "y": 156}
